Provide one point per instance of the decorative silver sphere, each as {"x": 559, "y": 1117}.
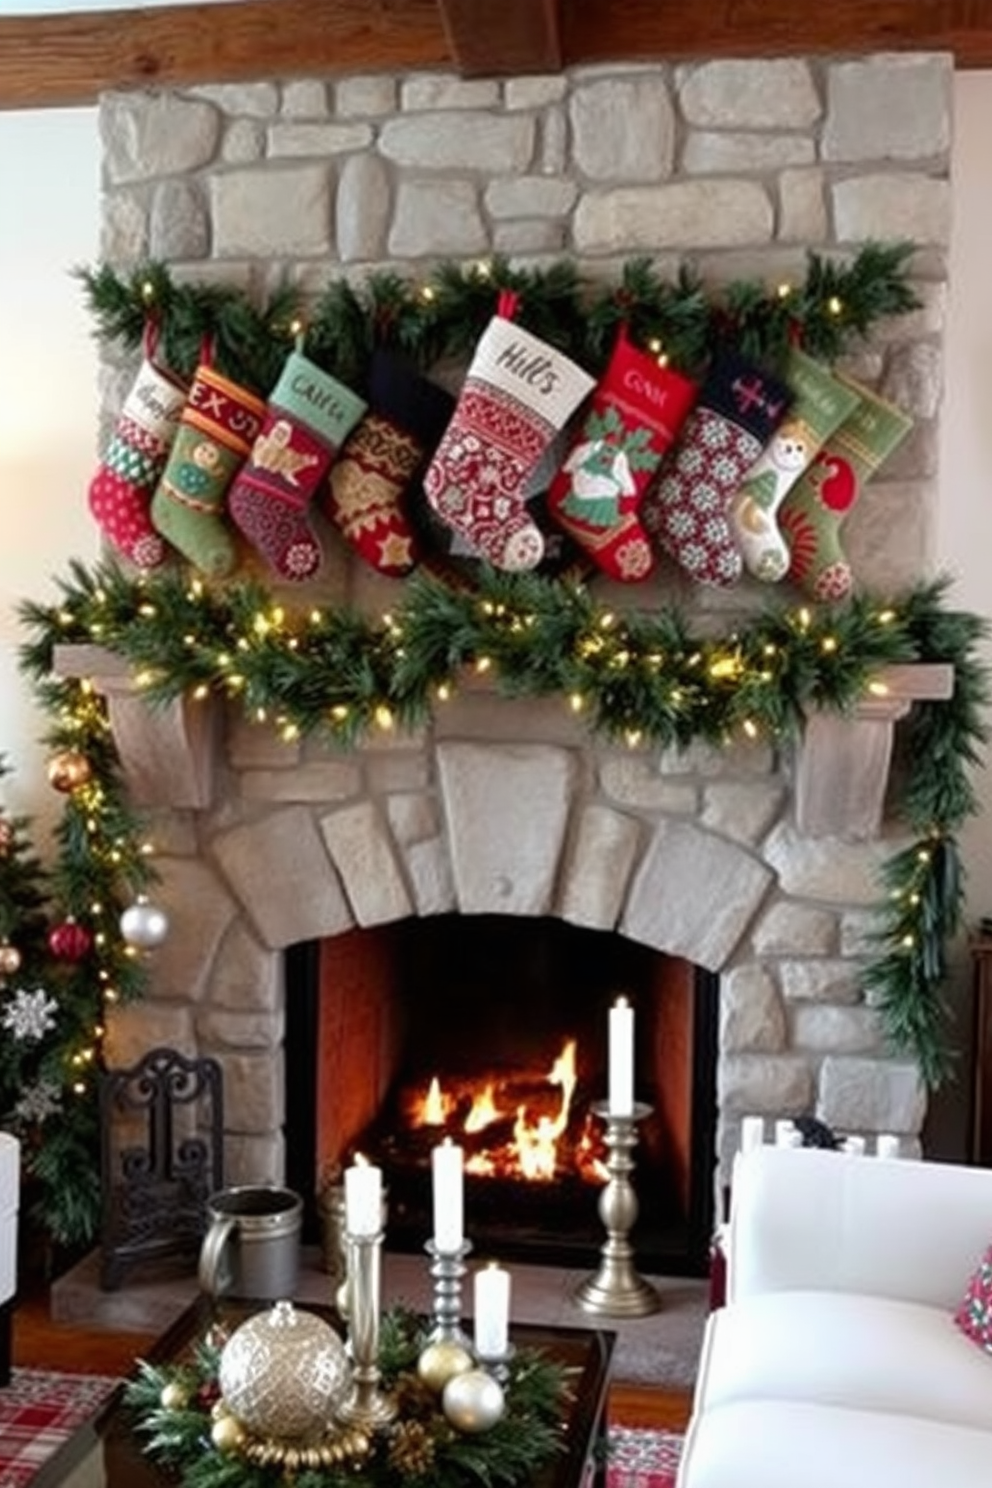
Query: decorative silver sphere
{"x": 283, "y": 1372}
{"x": 144, "y": 925}
{"x": 473, "y": 1401}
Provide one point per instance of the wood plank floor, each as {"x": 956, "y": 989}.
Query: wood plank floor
{"x": 39, "y": 1343}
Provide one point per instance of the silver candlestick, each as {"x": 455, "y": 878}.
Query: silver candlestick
{"x": 447, "y": 1268}
{"x": 366, "y": 1406}
{"x": 617, "y": 1290}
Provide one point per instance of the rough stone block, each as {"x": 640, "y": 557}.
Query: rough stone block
{"x": 693, "y": 894}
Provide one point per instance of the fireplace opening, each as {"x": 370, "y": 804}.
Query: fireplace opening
{"x": 492, "y": 1030}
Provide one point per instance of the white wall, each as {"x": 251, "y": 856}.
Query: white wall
{"x": 49, "y": 167}
{"x": 50, "y": 188}
{"x": 964, "y": 525}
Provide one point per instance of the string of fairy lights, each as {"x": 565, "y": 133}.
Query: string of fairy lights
{"x": 646, "y": 680}
{"x": 642, "y": 678}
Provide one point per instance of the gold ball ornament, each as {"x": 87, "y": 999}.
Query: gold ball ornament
{"x": 440, "y": 1362}
{"x": 283, "y": 1372}
{"x": 227, "y": 1435}
{"x": 10, "y": 959}
{"x": 174, "y": 1397}
{"x": 473, "y": 1401}
{"x": 68, "y": 770}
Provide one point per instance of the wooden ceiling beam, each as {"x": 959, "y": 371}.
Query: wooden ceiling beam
{"x": 503, "y": 38}
{"x": 72, "y": 58}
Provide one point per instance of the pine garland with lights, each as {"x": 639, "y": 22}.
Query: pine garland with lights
{"x": 443, "y": 315}
{"x": 175, "y": 1406}
{"x": 642, "y": 678}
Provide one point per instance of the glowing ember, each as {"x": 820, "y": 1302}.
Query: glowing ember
{"x": 515, "y": 1125}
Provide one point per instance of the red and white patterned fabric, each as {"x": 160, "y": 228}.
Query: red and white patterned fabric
{"x": 974, "y": 1313}
{"x": 517, "y": 394}
{"x": 641, "y": 1458}
{"x": 39, "y": 1411}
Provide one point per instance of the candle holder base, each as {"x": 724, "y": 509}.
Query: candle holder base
{"x": 368, "y": 1410}
{"x": 617, "y": 1295}
{"x": 617, "y": 1290}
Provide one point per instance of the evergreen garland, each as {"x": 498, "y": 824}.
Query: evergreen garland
{"x": 642, "y": 678}
{"x": 443, "y": 316}
{"x": 173, "y": 1404}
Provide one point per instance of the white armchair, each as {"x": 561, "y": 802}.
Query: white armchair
{"x": 837, "y": 1359}
{"x": 10, "y": 1186}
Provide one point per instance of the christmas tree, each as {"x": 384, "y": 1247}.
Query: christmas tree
{"x": 55, "y": 980}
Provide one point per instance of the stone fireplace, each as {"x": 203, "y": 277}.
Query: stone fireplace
{"x": 758, "y": 866}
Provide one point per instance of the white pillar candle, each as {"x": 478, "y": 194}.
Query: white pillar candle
{"x": 887, "y": 1145}
{"x": 449, "y": 1200}
{"x": 855, "y": 1145}
{"x": 752, "y": 1133}
{"x": 620, "y": 1093}
{"x": 784, "y": 1130}
{"x": 362, "y": 1198}
{"x": 492, "y": 1311}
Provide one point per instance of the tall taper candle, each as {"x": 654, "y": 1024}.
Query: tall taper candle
{"x": 492, "y": 1311}
{"x": 449, "y": 1201}
{"x": 621, "y": 1070}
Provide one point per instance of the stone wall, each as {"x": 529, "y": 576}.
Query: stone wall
{"x": 737, "y": 167}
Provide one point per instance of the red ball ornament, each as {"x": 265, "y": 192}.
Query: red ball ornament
{"x": 6, "y": 837}
{"x": 69, "y": 941}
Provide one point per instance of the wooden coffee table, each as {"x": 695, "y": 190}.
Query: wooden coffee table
{"x": 106, "y": 1451}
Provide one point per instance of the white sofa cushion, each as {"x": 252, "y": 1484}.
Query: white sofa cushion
{"x": 10, "y": 1183}
{"x": 830, "y": 1348}
{"x": 795, "y": 1444}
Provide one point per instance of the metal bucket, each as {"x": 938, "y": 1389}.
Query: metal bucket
{"x": 252, "y": 1246}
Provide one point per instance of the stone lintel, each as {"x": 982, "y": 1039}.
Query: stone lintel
{"x": 843, "y": 764}
{"x": 167, "y": 750}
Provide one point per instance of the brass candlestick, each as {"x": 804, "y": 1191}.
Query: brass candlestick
{"x": 366, "y": 1406}
{"x": 617, "y": 1290}
{"x": 447, "y": 1268}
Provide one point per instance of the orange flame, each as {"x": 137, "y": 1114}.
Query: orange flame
{"x": 483, "y": 1111}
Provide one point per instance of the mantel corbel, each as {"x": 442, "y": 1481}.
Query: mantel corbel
{"x": 844, "y": 760}
{"x": 168, "y": 751}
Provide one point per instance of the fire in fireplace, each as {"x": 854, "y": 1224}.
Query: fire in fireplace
{"x": 492, "y": 1030}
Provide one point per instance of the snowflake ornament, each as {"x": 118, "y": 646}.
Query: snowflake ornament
{"x": 39, "y": 1102}
{"x": 29, "y": 1015}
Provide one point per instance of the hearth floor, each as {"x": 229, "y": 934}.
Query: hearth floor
{"x": 662, "y": 1349}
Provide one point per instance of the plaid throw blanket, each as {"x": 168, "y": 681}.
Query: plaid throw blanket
{"x": 640, "y": 1458}
{"x": 39, "y": 1409}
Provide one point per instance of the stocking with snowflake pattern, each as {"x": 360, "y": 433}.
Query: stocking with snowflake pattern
{"x": 370, "y": 480}
{"x": 517, "y": 394}
{"x": 308, "y": 418}
{"x": 636, "y": 410}
{"x": 822, "y": 402}
{"x": 687, "y": 510}
{"x": 218, "y": 427}
{"x": 120, "y": 492}
{"x": 815, "y": 509}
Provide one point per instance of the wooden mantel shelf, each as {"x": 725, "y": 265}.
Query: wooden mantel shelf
{"x": 169, "y": 753}
{"x": 69, "y": 59}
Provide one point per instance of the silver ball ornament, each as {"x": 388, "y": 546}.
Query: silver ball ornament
{"x": 473, "y": 1401}
{"x": 283, "y": 1372}
{"x": 143, "y": 925}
